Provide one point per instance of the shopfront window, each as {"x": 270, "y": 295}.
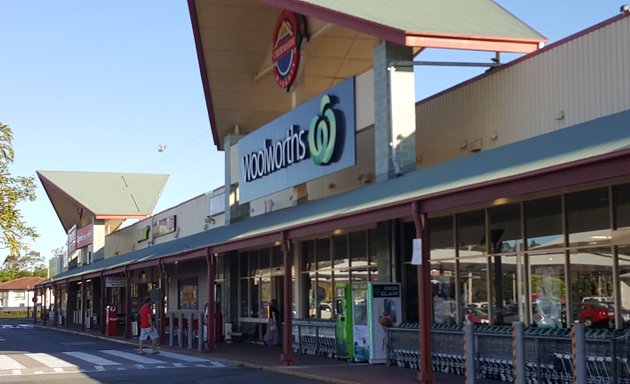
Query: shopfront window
{"x": 505, "y": 243}
{"x": 621, "y": 198}
{"x": 359, "y": 257}
{"x": 543, "y": 224}
{"x": 588, "y": 218}
{"x": 258, "y": 269}
{"x": 443, "y": 270}
{"x": 548, "y": 290}
{"x": 473, "y": 264}
{"x": 590, "y": 256}
{"x": 592, "y": 282}
{"x": 188, "y": 293}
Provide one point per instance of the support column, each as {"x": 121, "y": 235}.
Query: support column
{"x": 161, "y": 304}
{"x": 102, "y": 304}
{"x": 424, "y": 295}
{"x": 56, "y": 305}
{"x": 394, "y": 112}
{"x": 211, "y": 304}
{"x": 287, "y": 335}
{"x": 82, "y": 312}
{"x": 127, "y": 302}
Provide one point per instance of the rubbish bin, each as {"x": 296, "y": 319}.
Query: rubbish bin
{"x": 112, "y": 320}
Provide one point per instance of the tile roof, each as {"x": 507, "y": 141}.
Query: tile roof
{"x": 22, "y": 283}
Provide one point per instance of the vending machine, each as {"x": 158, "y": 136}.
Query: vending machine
{"x": 384, "y": 309}
{"x": 360, "y": 330}
{"x": 343, "y": 310}
{"x": 375, "y": 307}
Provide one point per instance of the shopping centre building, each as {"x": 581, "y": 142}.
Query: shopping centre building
{"x": 505, "y": 198}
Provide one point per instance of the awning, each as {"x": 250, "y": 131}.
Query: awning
{"x": 589, "y": 152}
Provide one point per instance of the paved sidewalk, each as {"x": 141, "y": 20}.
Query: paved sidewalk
{"x": 314, "y": 367}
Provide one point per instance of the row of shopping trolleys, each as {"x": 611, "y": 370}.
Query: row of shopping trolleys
{"x": 600, "y": 368}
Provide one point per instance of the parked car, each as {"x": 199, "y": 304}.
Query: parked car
{"x": 595, "y": 314}
{"x": 476, "y": 315}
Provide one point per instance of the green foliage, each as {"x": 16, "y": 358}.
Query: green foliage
{"x": 13, "y": 190}
{"x": 13, "y": 314}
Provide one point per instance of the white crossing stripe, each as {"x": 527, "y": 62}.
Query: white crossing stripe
{"x": 7, "y": 363}
{"x": 182, "y": 357}
{"x": 217, "y": 364}
{"x": 91, "y": 358}
{"x": 143, "y": 359}
{"x": 50, "y": 361}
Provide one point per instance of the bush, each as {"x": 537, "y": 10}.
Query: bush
{"x": 13, "y": 314}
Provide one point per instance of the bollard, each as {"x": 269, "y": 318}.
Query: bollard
{"x": 200, "y": 332}
{"x": 469, "y": 352}
{"x": 578, "y": 346}
{"x": 171, "y": 324}
{"x": 180, "y": 329}
{"x": 518, "y": 352}
{"x": 190, "y": 330}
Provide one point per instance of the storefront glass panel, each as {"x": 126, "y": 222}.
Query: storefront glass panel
{"x": 592, "y": 290}
{"x": 548, "y": 291}
{"x": 543, "y": 224}
{"x": 443, "y": 270}
{"x": 588, "y": 218}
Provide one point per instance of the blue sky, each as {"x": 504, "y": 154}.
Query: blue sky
{"x": 98, "y": 85}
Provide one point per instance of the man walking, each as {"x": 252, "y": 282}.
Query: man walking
{"x": 147, "y": 330}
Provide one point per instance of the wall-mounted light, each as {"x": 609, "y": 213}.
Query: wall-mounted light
{"x": 209, "y": 220}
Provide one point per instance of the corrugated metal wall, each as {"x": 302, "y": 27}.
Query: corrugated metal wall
{"x": 580, "y": 80}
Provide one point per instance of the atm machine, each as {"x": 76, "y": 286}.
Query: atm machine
{"x": 343, "y": 310}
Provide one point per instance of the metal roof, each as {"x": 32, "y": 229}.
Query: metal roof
{"x": 472, "y": 18}
{"x": 105, "y": 195}
{"x": 545, "y": 153}
{"x": 234, "y": 47}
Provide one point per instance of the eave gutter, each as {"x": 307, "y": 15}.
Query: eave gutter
{"x": 203, "y": 69}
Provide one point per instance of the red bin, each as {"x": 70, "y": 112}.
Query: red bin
{"x": 111, "y": 319}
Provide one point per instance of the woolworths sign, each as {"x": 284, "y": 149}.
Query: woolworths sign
{"x": 315, "y": 139}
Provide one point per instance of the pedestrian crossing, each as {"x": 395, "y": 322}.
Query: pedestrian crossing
{"x": 96, "y": 361}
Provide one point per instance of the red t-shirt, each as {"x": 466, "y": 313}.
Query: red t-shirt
{"x": 145, "y": 312}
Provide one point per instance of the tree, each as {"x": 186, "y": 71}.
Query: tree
{"x": 13, "y": 190}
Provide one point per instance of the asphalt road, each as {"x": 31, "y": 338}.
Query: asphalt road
{"x": 30, "y": 354}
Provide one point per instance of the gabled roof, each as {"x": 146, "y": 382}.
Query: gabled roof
{"x": 103, "y": 195}
{"x": 234, "y": 47}
{"x": 426, "y": 23}
{"x": 21, "y": 284}
{"x": 589, "y": 152}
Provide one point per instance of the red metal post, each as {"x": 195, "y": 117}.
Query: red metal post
{"x": 424, "y": 296}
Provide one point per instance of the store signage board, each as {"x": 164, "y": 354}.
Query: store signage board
{"x": 312, "y": 140}
{"x": 115, "y": 282}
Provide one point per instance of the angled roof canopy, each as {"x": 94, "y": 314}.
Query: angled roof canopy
{"x": 102, "y": 195}
{"x": 234, "y": 46}
{"x": 590, "y": 152}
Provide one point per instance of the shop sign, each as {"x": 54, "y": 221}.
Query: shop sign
{"x": 115, "y": 282}
{"x": 164, "y": 226}
{"x": 72, "y": 240}
{"x": 143, "y": 234}
{"x": 315, "y": 139}
{"x": 287, "y": 40}
{"x": 84, "y": 236}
